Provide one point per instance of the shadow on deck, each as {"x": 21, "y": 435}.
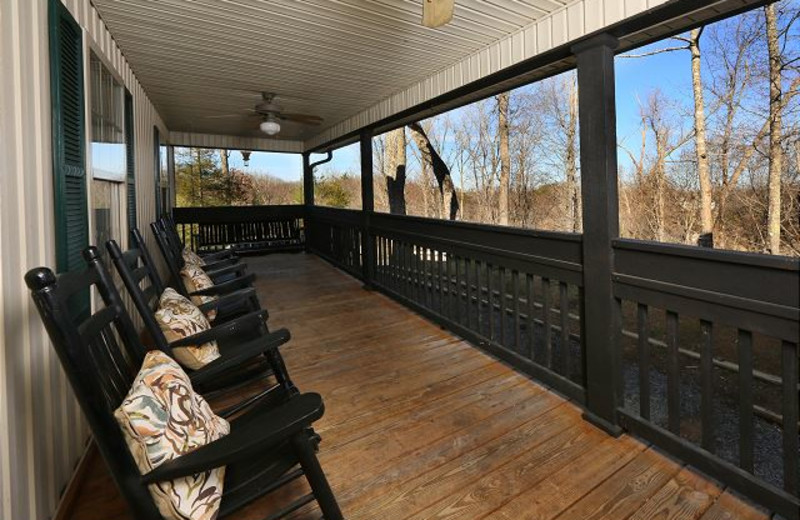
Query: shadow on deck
{"x": 420, "y": 424}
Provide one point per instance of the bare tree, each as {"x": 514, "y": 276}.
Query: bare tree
{"x": 775, "y": 132}
{"x": 396, "y": 170}
{"x": 505, "y": 156}
{"x": 447, "y": 190}
{"x": 571, "y": 130}
{"x": 701, "y": 145}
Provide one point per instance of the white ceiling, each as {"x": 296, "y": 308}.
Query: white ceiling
{"x": 331, "y": 58}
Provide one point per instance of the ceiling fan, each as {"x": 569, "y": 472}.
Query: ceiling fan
{"x": 271, "y": 114}
{"x": 436, "y": 13}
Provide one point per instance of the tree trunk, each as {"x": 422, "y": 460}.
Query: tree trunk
{"x": 572, "y": 158}
{"x": 396, "y": 171}
{"x": 775, "y": 133}
{"x": 226, "y": 175}
{"x": 701, "y": 148}
{"x": 447, "y": 190}
{"x": 505, "y": 157}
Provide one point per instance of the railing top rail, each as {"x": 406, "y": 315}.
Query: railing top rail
{"x": 229, "y": 214}
{"x": 460, "y": 224}
{"x": 716, "y": 255}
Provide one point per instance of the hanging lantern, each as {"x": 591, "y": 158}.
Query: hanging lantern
{"x": 246, "y": 157}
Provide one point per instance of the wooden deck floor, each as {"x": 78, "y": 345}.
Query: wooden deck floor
{"x": 419, "y": 424}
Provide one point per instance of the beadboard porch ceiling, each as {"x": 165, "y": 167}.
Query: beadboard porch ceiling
{"x": 331, "y": 58}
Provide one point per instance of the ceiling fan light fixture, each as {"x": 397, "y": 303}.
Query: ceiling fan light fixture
{"x": 270, "y": 126}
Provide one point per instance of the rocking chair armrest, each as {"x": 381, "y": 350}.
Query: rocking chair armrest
{"x": 238, "y": 295}
{"x": 236, "y": 355}
{"x": 224, "y": 330}
{"x": 219, "y": 255}
{"x": 227, "y": 272}
{"x": 240, "y": 282}
{"x": 261, "y": 434}
{"x": 220, "y": 264}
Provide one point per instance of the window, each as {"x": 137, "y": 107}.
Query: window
{"x": 337, "y": 183}
{"x": 109, "y": 155}
{"x": 512, "y": 159}
{"x": 213, "y": 177}
{"x": 162, "y": 184}
{"x": 698, "y": 161}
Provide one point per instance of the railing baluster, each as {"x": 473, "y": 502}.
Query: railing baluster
{"x": 673, "y": 375}
{"x": 440, "y": 268}
{"x": 408, "y": 270}
{"x": 490, "y": 298}
{"x": 379, "y": 259}
{"x": 449, "y": 272}
{"x": 517, "y": 329}
{"x": 503, "y": 303}
{"x": 643, "y": 331}
{"x": 564, "y": 308}
{"x": 418, "y": 289}
{"x": 531, "y": 312}
{"x": 789, "y": 365}
{"x": 469, "y": 266}
{"x": 428, "y": 278}
{"x": 745, "y": 350}
{"x": 479, "y": 286}
{"x": 400, "y": 261}
{"x": 395, "y": 260}
{"x": 706, "y": 381}
{"x": 458, "y": 289}
{"x": 548, "y": 343}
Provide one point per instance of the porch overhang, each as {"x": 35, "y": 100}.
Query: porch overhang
{"x": 353, "y": 89}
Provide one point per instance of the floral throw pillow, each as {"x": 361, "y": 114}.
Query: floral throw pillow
{"x": 190, "y": 257}
{"x": 162, "y": 418}
{"x": 180, "y": 318}
{"x": 195, "y": 279}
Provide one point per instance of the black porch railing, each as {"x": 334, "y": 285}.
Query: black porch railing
{"x": 514, "y": 292}
{"x": 247, "y": 229}
{"x": 337, "y": 236}
{"x": 707, "y": 340}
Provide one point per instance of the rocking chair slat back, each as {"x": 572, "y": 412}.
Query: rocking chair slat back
{"x": 100, "y": 355}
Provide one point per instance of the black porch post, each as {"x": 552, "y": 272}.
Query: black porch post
{"x": 367, "y": 206}
{"x": 308, "y": 196}
{"x": 598, "y": 142}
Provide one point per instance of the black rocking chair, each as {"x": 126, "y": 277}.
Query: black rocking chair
{"x": 261, "y": 451}
{"x": 225, "y": 271}
{"x": 234, "y": 297}
{"x": 135, "y": 271}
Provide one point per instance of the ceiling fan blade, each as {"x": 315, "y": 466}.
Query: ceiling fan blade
{"x": 436, "y": 13}
{"x": 249, "y": 113}
{"x": 300, "y": 118}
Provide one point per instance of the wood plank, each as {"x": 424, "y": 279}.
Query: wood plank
{"x": 686, "y": 496}
{"x": 545, "y": 445}
{"x": 625, "y": 491}
{"x": 730, "y": 506}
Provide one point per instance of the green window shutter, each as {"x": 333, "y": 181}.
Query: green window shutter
{"x": 69, "y": 164}
{"x": 130, "y": 165}
{"x": 69, "y": 150}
